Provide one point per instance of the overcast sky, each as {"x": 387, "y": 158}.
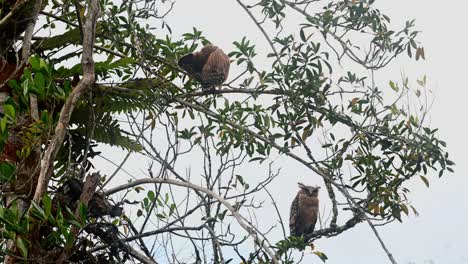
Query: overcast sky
{"x": 440, "y": 234}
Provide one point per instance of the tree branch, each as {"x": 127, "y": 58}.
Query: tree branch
{"x": 26, "y": 50}
{"x": 84, "y": 84}
{"x": 335, "y": 230}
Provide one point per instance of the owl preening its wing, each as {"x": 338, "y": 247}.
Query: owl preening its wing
{"x": 304, "y": 210}
{"x": 209, "y": 66}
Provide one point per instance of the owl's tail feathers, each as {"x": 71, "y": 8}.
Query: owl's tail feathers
{"x": 310, "y": 229}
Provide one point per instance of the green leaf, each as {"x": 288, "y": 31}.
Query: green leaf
{"x": 7, "y": 171}
{"x": 9, "y": 217}
{"x": 303, "y": 38}
{"x": 394, "y": 86}
{"x": 22, "y": 246}
{"x": 414, "y": 211}
{"x": 45, "y": 117}
{"x": 166, "y": 198}
{"x": 38, "y": 212}
{"x": 74, "y": 223}
{"x": 418, "y": 93}
{"x": 161, "y": 216}
{"x": 39, "y": 82}
{"x": 172, "y": 209}
{"x": 3, "y": 123}
{"x": 151, "y": 196}
{"x": 83, "y": 213}
{"x": 9, "y": 110}
{"x": 35, "y": 62}
{"x": 222, "y": 215}
{"x": 424, "y": 179}
{"x": 257, "y": 159}
{"x": 47, "y": 203}
{"x": 240, "y": 179}
{"x": 321, "y": 255}
{"x": 404, "y": 208}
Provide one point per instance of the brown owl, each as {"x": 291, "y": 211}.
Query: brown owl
{"x": 304, "y": 210}
{"x": 209, "y": 66}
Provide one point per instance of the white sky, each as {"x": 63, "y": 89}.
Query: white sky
{"x": 440, "y": 234}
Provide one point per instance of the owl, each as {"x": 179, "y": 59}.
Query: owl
{"x": 304, "y": 210}
{"x": 209, "y": 66}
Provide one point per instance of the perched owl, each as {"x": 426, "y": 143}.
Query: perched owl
{"x": 304, "y": 210}
{"x": 209, "y": 66}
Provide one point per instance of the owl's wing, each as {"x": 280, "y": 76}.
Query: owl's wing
{"x": 294, "y": 218}
{"x": 189, "y": 64}
{"x": 186, "y": 62}
{"x": 216, "y": 69}
{"x": 314, "y": 216}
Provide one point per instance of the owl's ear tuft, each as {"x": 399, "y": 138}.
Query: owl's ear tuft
{"x": 304, "y": 187}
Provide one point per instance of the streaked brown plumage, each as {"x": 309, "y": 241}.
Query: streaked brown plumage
{"x": 304, "y": 210}
{"x": 209, "y": 66}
